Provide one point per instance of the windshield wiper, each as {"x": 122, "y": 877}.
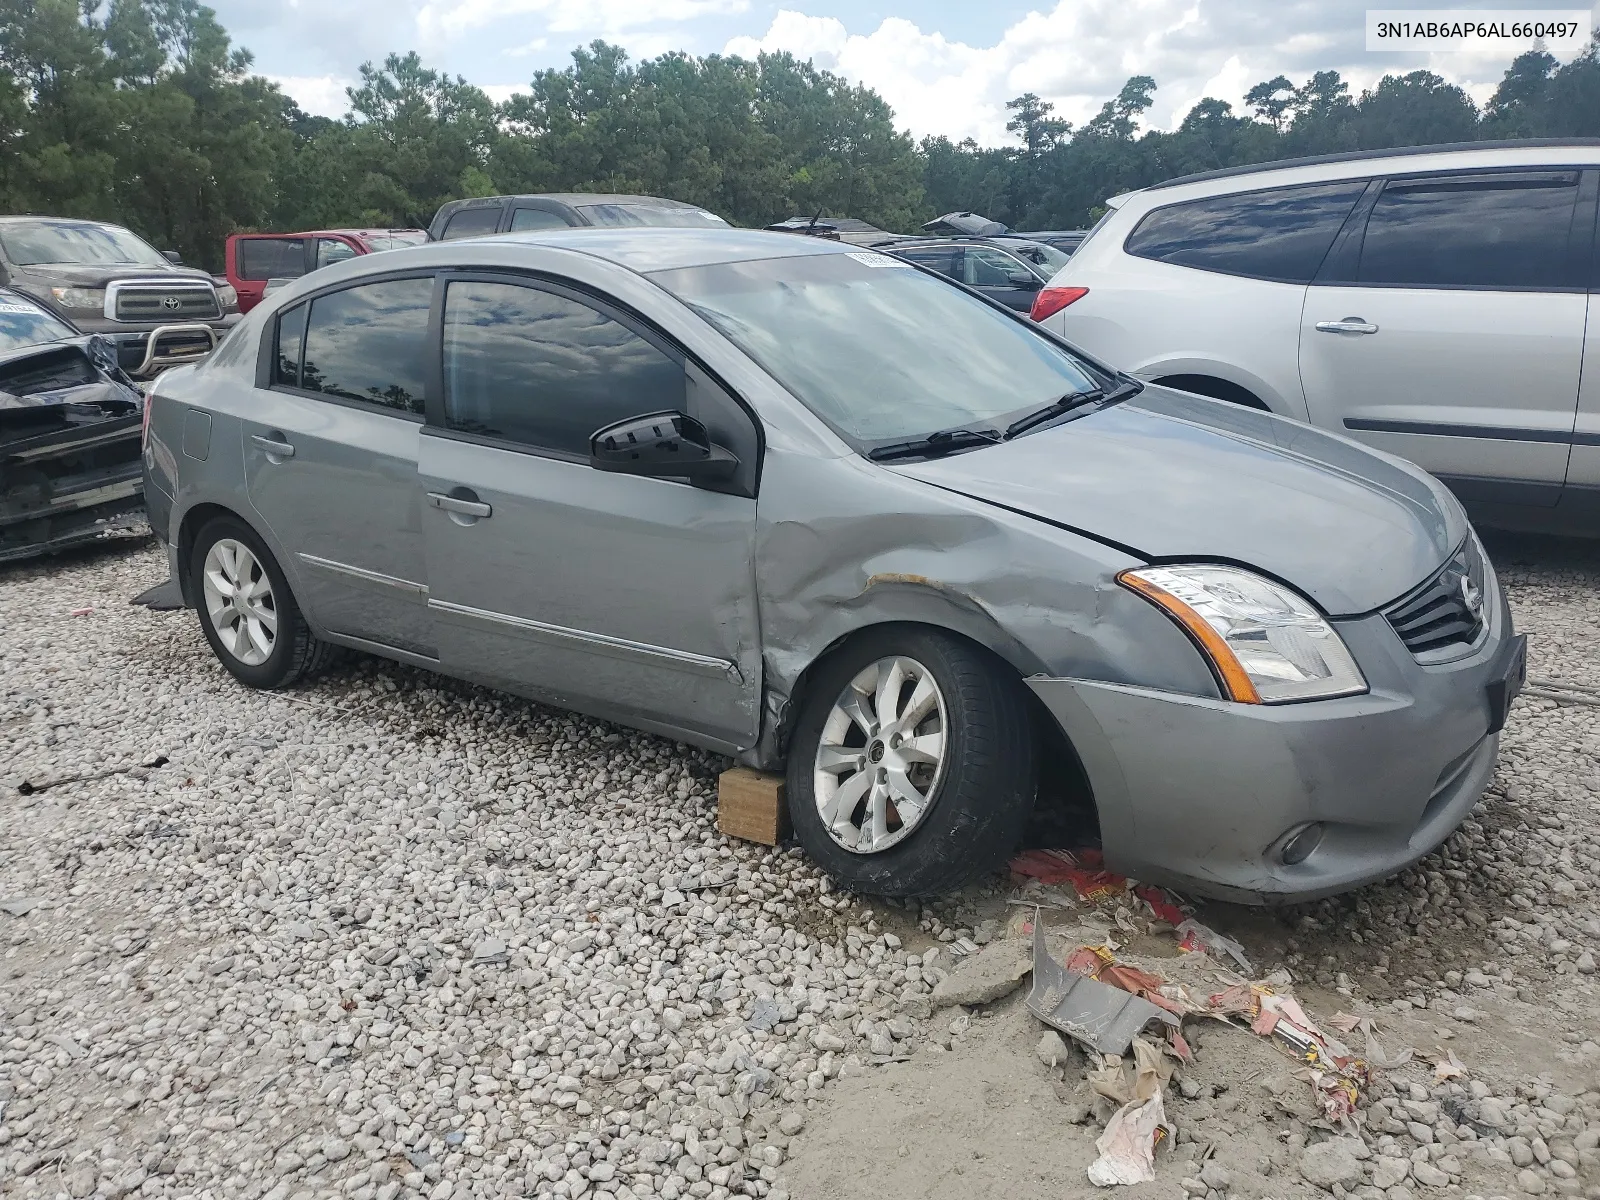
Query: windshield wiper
{"x": 1072, "y": 400}
{"x": 942, "y": 442}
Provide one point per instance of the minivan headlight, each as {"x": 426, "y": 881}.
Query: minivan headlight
{"x": 1267, "y": 644}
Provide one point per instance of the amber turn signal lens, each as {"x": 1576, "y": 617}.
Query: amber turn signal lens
{"x": 1236, "y": 683}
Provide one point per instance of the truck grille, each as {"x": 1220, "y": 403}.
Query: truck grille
{"x": 166, "y": 303}
{"x": 1446, "y": 614}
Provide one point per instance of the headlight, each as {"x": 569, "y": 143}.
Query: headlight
{"x": 227, "y": 297}
{"x": 71, "y": 297}
{"x": 1267, "y": 644}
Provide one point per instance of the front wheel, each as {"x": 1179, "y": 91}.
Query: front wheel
{"x": 246, "y": 609}
{"x": 911, "y": 769}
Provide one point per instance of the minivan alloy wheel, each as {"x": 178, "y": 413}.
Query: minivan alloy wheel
{"x": 239, "y": 601}
{"x": 881, "y": 756}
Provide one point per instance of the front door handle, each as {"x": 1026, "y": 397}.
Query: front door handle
{"x": 273, "y": 445}
{"x": 455, "y": 504}
{"x": 1348, "y": 325}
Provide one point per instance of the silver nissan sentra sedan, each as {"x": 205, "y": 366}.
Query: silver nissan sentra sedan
{"x": 817, "y": 509}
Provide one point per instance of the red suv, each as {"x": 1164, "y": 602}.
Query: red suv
{"x": 254, "y": 258}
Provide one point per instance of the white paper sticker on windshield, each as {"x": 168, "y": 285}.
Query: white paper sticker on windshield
{"x": 871, "y": 258}
{"x": 22, "y": 310}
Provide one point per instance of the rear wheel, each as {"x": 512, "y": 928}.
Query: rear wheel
{"x": 246, "y": 609}
{"x": 911, "y": 769}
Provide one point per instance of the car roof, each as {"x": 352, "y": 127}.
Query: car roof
{"x": 14, "y": 218}
{"x": 575, "y": 199}
{"x": 666, "y": 249}
{"x": 1318, "y": 160}
{"x": 1000, "y": 241}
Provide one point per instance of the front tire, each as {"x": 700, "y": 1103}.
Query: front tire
{"x": 911, "y": 770}
{"x": 246, "y": 609}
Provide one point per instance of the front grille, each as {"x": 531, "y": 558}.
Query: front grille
{"x": 167, "y": 304}
{"x": 1446, "y": 613}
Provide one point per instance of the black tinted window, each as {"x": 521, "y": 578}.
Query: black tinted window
{"x": 1281, "y": 234}
{"x": 1508, "y": 231}
{"x": 291, "y": 338}
{"x": 936, "y": 258}
{"x": 534, "y": 367}
{"x": 271, "y": 258}
{"x": 369, "y": 343}
{"x": 471, "y": 221}
{"x": 536, "y": 218}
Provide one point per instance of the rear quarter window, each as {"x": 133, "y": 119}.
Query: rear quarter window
{"x": 1281, "y": 234}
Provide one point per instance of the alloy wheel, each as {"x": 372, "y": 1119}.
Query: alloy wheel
{"x": 881, "y": 755}
{"x": 239, "y": 601}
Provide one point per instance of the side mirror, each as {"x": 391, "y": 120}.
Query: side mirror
{"x": 172, "y": 256}
{"x": 671, "y": 445}
{"x": 1026, "y": 280}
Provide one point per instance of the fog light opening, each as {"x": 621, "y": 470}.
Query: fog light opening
{"x": 1300, "y": 844}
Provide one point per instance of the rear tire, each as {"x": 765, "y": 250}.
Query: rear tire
{"x": 867, "y": 803}
{"x": 247, "y": 612}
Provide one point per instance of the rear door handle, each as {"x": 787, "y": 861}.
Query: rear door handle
{"x": 1348, "y": 325}
{"x": 454, "y": 504}
{"x": 272, "y": 445}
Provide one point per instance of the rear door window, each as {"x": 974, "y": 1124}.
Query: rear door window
{"x": 1501, "y": 231}
{"x": 1282, "y": 234}
{"x": 470, "y": 222}
{"x": 526, "y": 365}
{"x": 271, "y": 258}
{"x": 369, "y": 343}
{"x": 936, "y": 258}
{"x": 537, "y": 218}
{"x": 291, "y": 342}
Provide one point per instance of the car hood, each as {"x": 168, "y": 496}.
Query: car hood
{"x": 1171, "y": 476}
{"x": 90, "y": 276}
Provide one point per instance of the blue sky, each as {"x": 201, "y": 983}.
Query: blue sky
{"x": 946, "y": 66}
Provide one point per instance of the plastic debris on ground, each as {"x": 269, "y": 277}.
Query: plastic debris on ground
{"x": 1102, "y": 1017}
{"x": 1085, "y": 871}
{"x": 1127, "y": 1147}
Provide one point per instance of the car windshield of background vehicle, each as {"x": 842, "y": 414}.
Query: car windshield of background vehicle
{"x": 34, "y": 243}
{"x": 667, "y": 216}
{"x": 1282, "y": 234}
{"x": 22, "y": 324}
{"x": 1048, "y": 259}
{"x": 882, "y": 352}
{"x": 1507, "y": 231}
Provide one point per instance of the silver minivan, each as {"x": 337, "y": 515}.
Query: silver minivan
{"x": 811, "y": 507}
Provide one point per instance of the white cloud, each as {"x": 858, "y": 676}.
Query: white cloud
{"x": 452, "y": 18}
{"x": 1078, "y": 54}
{"x": 319, "y": 95}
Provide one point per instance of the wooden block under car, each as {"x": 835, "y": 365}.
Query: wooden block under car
{"x": 750, "y": 806}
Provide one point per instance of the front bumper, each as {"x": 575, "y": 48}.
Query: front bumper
{"x": 1200, "y": 793}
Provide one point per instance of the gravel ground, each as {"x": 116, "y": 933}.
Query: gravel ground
{"x": 391, "y": 936}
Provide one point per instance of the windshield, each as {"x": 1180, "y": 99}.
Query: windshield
{"x": 670, "y": 216}
{"x": 1047, "y": 259}
{"x": 23, "y": 324}
{"x": 395, "y": 238}
{"x": 29, "y": 243}
{"x": 881, "y": 351}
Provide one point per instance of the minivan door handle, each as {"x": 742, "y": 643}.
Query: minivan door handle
{"x": 273, "y": 444}
{"x": 460, "y": 505}
{"x": 1348, "y": 325}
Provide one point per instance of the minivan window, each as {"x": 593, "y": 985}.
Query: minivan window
{"x": 271, "y": 258}
{"x": 530, "y": 366}
{"x": 880, "y": 351}
{"x": 470, "y": 222}
{"x": 1504, "y": 231}
{"x": 1282, "y": 234}
{"x": 369, "y": 342}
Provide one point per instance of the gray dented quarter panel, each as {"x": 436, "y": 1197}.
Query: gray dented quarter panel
{"x": 842, "y": 545}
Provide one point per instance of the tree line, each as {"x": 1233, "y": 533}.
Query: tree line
{"x": 144, "y": 113}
